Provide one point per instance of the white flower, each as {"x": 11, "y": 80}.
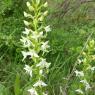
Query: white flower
{"x": 45, "y": 4}
{"x": 28, "y": 70}
{"x": 28, "y": 15}
{"x": 47, "y": 28}
{"x": 80, "y": 61}
{"x": 36, "y": 35}
{"x": 43, "y": 64}
{"x": 26, "y": 42}
{"x": 92, "y": 68}
{"x": 79, "y": 73}
{"x": 45, "y": 46}
{"x": 25, "y": 14}
{"x": 26, "y": 23}
{"x": 84, "y": 81}
{"x": 31, "y": 54}
{"x": 87, "y": 86}
{"x": 32, "y": 91}
{"x": 26, "y": 31}
{"x": 29, "y": 6}
{"x": 41, "y": 18}
{"x": 39, "y": 83}
{"x": 41, "y": 72}
{"x": 79, "y": 91}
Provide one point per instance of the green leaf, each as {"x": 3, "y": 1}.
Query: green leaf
{"x": 17, "y": 90}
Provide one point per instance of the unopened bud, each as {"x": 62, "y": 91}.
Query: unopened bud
{"x": 45, "y": 13}
{"x": 29, "y": 6}
{"x": 38, "y": 2}
{"x": 26, "y": 23}
{"x": 45, "y": 4}
{"x": 25, "y": 14}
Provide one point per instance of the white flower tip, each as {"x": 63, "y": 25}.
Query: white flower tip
{"x": 79, "y": 73}
{"x": 32, "y": 91}
{"x": 45, "y": 4}
{"x": 39, "y": 83}
{"x": 45, "y": 13}
{"x": 47, "y": 28}
{"x": 28, "y": 4}
{"x": 79, "y": 91}
{"x": 26, "y": 23}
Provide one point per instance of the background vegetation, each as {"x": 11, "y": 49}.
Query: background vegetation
{"x": 72, "y": 22}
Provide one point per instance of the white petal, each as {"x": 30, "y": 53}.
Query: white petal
{"x": 34, "y": 53}
{"x": 26, "y": 31}
{"x": 79, "y": 73}
{"x": 87, "y": 86}
{"x": 28, "y": 15}
{"x": 45, "y": 4}
{"x": 39, "y": 83}
{"x": 92, "y": 68}
{"x": 28, "y": 4}
{"x": 26, "y": 42}
{"x": 45, "y": 46}
{"x": 26, "y": 23}
{"x": 47, "y": 28}
{"x": 79, "y": 91}
{"x": 31, "y": 53}
{"x": 36, "y": 35}
{"x": 43, "y": 64}
{"x": 25, "y": 14}
{"x": 32, "y": 91}
{"x": 28, "y": 70}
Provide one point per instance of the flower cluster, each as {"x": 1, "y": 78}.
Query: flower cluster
{"x": 86, "y": 69}
{"x": 35, "y": 45}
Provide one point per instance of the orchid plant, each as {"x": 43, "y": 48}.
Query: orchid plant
{"x": 35, "y": 46}
{"x": 85, "y": 70}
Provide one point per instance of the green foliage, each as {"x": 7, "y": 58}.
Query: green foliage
{"x": 3, "y": 90}
{"x": 17, "y": 89}
{"x": 68, "y": 35}
{"x": 5, "y": 5}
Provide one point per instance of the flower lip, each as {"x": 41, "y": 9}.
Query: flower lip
{"x": 79, "y": 73}
{"x": 45, "y": 46}
{"x": 47, "y": 28}
{"x": 28, "y": 70}
{"x": 43, "y": 64}
{"x": 39, "y": 83}
{"x": 32, "y": 91}
{"x": 31, "y": 54}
